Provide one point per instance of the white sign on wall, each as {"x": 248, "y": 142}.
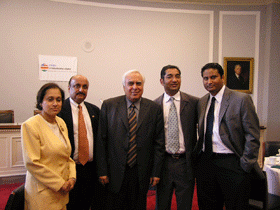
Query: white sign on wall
{"x": 57, "y": 68}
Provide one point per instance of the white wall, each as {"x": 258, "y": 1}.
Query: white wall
{"x": 145, "y": 37}
{"x": 239, "y": 37}
{"x": 272, "y": 95}
{"x": 124, "y": 38}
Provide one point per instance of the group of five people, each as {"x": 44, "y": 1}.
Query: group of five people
{"x": 108, "y": 158}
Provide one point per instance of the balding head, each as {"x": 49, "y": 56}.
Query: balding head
{"x": 78, "y": 87}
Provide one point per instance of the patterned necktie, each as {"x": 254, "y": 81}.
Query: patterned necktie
{"x": 83, "y": 147}
{"x": 209, "y": 129}
{"x": 132, "y": 120}
{"x": 173, "y": 129}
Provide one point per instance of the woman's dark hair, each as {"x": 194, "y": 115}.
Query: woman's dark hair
{"x": 42, "y": 92}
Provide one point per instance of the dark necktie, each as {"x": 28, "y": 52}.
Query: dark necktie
{"x": 83, "y": 147}
{"x": 209, "y": 129}
{"x": 132, "y": 120}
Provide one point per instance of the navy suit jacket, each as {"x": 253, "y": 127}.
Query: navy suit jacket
{"x": 66, "y": 115}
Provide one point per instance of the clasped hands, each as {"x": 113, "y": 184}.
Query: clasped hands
{"x": 68, "y": 185}
{"x": 105, "y": 180}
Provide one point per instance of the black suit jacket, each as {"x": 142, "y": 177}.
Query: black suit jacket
{"x": 113, "y": 137}
{"x": 237, "y": 84}
{"x": 66, "y": 115}
{"x": 188, "y": 116}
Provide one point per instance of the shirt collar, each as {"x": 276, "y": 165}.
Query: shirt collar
{"x": 137, "y": 103}
{"x": 237, "y": 75}
{"x": 219, "y": 95}
{"x": 76, "y": 104}
{"x": 167, "y": 97}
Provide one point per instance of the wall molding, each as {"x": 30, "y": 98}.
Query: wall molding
{"x": 218, "y": 2}
{"x": 152, "y": 9}
{"x": 222, "y": 14}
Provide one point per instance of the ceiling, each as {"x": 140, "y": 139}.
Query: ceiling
{"x": 197, "y": 2}
{"x": 218, "y": 2}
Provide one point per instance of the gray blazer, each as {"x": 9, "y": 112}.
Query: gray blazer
{"x": 113, "y": 137}
{"x": 238, "y": 127}
{"x": 188, "y": 116}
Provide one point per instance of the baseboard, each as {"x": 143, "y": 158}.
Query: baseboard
{"x": 12, "y": 179}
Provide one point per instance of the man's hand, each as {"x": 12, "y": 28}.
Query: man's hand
{"x": 104, "y": 180}
{"x": 154, "y": 181}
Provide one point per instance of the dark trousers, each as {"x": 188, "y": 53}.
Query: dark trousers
{"x": 175, "y": 176}
{"x": 131, "y": 196}
{"x": 88, "y": 191}
{"x": 221, "y": 180}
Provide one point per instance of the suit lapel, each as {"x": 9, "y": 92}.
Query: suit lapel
{"x": 68, "y": 111}
{"x": 224, "y": 104}
{"x": 183, "y": 103}
{"x": 65, "y": 135}
{"x": 69, "y": 121}
{"x": 123, "y": 111}
{"x": 160, "y": 100}
{"x": 90, "y": 111}
{"x": 202, "y": 111}
{"x": 142, "y": 112}
{"x": 50, "y": 132}
{"x": 92, "y": 117}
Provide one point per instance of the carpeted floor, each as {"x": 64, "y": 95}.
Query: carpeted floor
{"x": 151, "y": 198}
{"x": 6, "y": 189}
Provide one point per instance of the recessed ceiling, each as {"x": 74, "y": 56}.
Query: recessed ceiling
{"x": 197, "y": 2}
{"x": 218, "y": 2}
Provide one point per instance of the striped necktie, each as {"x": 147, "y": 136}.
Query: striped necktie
{"x": 132, "y": 120}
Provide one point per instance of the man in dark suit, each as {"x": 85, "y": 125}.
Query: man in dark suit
{"x": 236, "y": 81}
{"x": 177, "y": 171}
{"x": 228, "y": 145}
{"x": 88, "y": 192}
{"x": 130, "y": 145}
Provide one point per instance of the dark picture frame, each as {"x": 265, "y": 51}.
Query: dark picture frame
{"x": 239, "y": 73}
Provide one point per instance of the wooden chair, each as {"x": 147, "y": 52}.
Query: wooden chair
{"x": 271, "y": 148}
{"x": 37, "y": 111}
{"x": 16, "y": 199}
{"x": 6, "y": 116}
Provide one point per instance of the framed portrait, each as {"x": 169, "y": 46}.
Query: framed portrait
{"x": 239, "y": 73}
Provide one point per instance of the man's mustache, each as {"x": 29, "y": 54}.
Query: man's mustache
{"x": 81, "y": 93}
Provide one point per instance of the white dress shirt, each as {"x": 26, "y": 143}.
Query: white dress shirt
{"x": 166, "y": 106}
{"x": 218, "y": 145}
{"x": 75, "y": 116}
